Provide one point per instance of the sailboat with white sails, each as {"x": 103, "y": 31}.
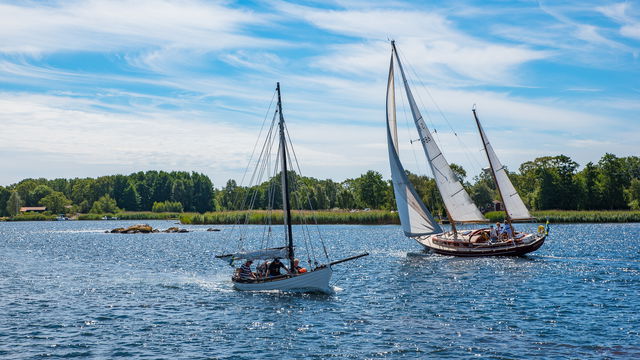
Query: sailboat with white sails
{"x": 418, "y": 223}
{"x": 316, "y": 276}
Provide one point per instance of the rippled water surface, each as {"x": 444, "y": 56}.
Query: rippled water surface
{"x": 67, "y": 289}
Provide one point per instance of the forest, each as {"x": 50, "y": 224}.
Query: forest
{"x": 550, "y": 182}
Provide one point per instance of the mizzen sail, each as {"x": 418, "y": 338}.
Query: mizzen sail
{"x": 513, "y": 205}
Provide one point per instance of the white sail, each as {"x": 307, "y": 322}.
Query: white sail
{"x": 414, "y": 216}
{"x": 456, "y": 199}
{"x": 513, "y": 204}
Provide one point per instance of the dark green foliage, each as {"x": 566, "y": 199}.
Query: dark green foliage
{"x": 130, "y": 200}
{"x": 4, "y": 197}
{"x": 55, "y": 202}
{"x": 551, "y": 182}
{"x": 105, "y": 205}
{"x": 13, "y": 204}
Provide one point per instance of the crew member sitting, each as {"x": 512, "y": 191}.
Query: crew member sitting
{"x": 245, "y": 272}
{"x": 274, "y": 268}
{"x": 296, "y": 268}
{"x": 261, "y": 270}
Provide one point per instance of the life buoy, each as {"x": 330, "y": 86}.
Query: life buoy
{"x": 302, "y": 270}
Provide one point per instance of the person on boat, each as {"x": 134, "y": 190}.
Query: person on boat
{"x": 296, "y": 268}
{"x": 261, "y": 270}
{"x": 245, "y": 272}
{"x": 493, "y": 235}
{"x": 274, "y": 268}
{"x": 508, "y": 230}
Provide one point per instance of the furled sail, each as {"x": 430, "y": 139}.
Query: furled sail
{"x": 262, "y": 254}
{"x": 456, "y": 199}
{"x": 416, "y": 220}
{"x": 513, "y": 204}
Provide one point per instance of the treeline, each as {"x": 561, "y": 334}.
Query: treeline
{"x": 109, "y": 194}
{"x": 551, "y": 182}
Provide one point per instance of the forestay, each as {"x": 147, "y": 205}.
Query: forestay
{"x": 414, "y": 216}
{"x": 513, "y": 204}
{"x": 457, "y": 201}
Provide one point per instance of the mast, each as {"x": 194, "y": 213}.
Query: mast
{"x": 493, "y": 171}
{"x": 286, "y": 207}
{"x": 420, "y": 124}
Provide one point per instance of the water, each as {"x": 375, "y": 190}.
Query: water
{"x": 67, "y": 289}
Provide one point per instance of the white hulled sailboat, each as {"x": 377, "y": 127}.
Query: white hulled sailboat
{"x": 316, "y": 276}
{"x": 418, "y": 223}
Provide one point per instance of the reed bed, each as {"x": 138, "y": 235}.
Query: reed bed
{"x": 574, "y": 216}
{"x": 32, "y": 217}
{"x": 141, "y": 215}
{"x": 373, "y": 217}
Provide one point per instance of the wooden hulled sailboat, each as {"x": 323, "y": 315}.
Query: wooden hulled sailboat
{"x": 317, "y": 274}
{"x": 418, "y": 223}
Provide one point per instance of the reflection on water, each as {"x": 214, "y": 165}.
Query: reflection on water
{"x": 70, "y": 290}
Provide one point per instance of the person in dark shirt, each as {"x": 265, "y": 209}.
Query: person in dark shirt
{"x": 275, "y": 266}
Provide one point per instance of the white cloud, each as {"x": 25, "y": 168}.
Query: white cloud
{"x": 436, "y": 47}
{"x": 104, "y": 26}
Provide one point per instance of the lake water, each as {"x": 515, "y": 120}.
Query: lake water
{"x": 67, "y": 289}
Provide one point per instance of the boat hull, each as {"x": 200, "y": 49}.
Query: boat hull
{"x": 446, "y": 244}
{"x": 313, "y": 281}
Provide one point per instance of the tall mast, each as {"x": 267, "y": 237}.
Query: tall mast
{"x": 285, "y": 182}
{"x": 493, "y": 172}
{"x": 406, "y": 86}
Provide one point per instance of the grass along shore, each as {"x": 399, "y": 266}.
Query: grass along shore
{"x": 373, "y": 217}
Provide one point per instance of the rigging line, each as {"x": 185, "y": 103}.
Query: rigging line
{"x": 304, "y": 227}
{"x": 267, "y": 145}
{"x": 315, "y": 218}
{"x": 405, "y": 104}
{"x": 259, "y": 137}
{"x": 472, "y": 160}
{"x": 236, "y": 203}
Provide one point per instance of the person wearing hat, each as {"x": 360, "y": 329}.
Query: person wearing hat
{"x": 274, "y": 268}
{"x": 245, "y": 271}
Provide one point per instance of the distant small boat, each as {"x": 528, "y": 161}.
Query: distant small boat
{"x": 418, "y": 223}
{"x": 61, "y": 217}
{"x": 314, "y": 279}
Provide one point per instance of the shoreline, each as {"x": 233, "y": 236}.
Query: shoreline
{"x": 333, "y": 217}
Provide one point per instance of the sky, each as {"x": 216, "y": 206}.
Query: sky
{"x": 94, "y": 87}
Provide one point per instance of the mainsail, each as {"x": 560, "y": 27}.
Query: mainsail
{"x": 457, "y": 201}
{"x": 414, "y": 216}
{"x": 513, "y": 205}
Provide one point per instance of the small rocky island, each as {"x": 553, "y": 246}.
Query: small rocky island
{"x": 145, "y": 229}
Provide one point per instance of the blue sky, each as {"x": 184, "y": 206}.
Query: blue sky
{"x": 90, "y": 88}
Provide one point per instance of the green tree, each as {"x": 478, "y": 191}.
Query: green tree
{"x": 24, "y": 189}
{"x": 633, "y": 194}
{"x": 130, "y": 200}
{"x": 13, "y": 204}
{"x": 612, "y": 180}
{"x": 55, "y": 202}
{"x": 40, "y": 192}
{"x": 590, "y": 197}
{"x": 459, "y": 172}
{"x": 104, "y": 205}
{"x": 370, "y": 190}
{"x": 4, "y": 197}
